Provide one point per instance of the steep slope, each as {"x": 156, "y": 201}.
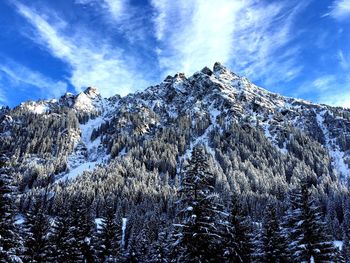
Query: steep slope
{"x": 58, "y": 140}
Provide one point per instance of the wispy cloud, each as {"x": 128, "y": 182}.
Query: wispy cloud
{"x": 193, "y": 34}
{"x": 323, "y": 83}
{"x": 22, "y": 77}
{"x": 121, "y": 16}
{"x": 340, "y": 9}
{"x": 3, "y": 98}
{"x": 247, "y": 35}
{"x": 337, "y": 86}
{"x": 343, "y": 61}
{"x": 93, "y": 62}
{"x": 117, "y": 9}
{"x": 336, "y": 99}
{"x": 331, "y": 89}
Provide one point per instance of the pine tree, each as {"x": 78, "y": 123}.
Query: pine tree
{"x": 198, "y": 237}
{"x": 108, "y": 237}
{"x": 273, "y": 244}
{"x": 36, "y": 227}
{"x": 158, "y": 251}
{"x": 346, "y": 235}
{"x": 9, "y": 238}
{"x": 307, "y": 237}
{"x": 82, "y": 229}
{"x": 61, "y": 238}
{"x": 238, "y": 243}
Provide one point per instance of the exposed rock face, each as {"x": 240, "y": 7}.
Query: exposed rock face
{"x": 212, "y": 99}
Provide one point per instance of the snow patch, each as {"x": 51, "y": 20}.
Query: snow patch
{"x": 19, "y": 219}
{"x": 338, "y": 244}
{"x": 86, "y": 132}
{"x": 336, "y": 154}
{"x": 124, "y": 222}
{"x": 79, "y": 170}
{"x": 36, "y": 108}
{"x": 87, "y": 154}
{"x": 122, "y": 152}
{"x": 98, "y": 223}
{"x": 84, "y": 103}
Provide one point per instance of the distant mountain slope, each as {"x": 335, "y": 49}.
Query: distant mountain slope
{"x": 78, "y": 132}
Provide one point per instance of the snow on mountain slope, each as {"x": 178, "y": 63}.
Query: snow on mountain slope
{"x": 335, "y": 152}
{"x": 221, "y": 94}
{"x": 212, "y": 99}
{"x": 88, "y": 152}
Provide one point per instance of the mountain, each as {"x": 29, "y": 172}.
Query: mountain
{"x": 134, "y": 149}
{"x": 92, "y": 130}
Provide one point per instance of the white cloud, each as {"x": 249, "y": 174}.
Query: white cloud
{"x": 340, "y": 9}
{"x": 21, "y": 76}
{"x": 121, "y": 16}
{"x": 193, "y": 34}
{"x": 93, "y": 62}
{"x": 323, "y": 83}
{"x": 340, "y": 99}
{"x": 245, "y": 34}
{"x": 3, "y": 98}
{"x": 117, "y": 8}
{"x": 330, "y": 89}
{"x": 343, "y": 61}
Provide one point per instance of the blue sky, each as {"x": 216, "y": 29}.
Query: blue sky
{"x": 296, "y": 48}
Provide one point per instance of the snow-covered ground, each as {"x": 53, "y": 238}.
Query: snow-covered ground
{"x": 36, "y": 107}
{"x": 124, "y": 222}
{"x": 336, "y": 154}
{"x": 338, "y": 244}
{"x": 87, "y": 153}
{"x": 73, "y": 173}
{"x": 98, "y": 223}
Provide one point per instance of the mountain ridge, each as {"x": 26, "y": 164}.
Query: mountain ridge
{"x": 212, "y": 99}
{"x": 131, "y": 157}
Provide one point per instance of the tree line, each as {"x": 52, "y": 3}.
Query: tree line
{"x": 202, "y": 228}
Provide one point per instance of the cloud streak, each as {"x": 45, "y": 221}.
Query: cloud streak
{"x": 341, "y": 99}
{"x": 3, "y": 98}
{"x": 22, "y": 78}
{"x": 93, "y": 62}
{"x": 340, "y": 10}
{"x": 121, "y": 16}
{"x": 193, "y": 34}
{"x": 246, "y": 35}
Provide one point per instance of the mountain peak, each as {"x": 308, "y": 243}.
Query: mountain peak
{"x": 207, "y": 71}
{"x": 218, "y": 67}
{"x": 222, "y": 72}
{"x": 92, "y": 92}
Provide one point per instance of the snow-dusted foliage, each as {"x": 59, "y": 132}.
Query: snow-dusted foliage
{"x": 123, "y": 160}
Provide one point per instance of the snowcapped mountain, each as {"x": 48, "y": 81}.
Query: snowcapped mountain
{"x": 130, "y": 165}
{"x": 98, "y": 130}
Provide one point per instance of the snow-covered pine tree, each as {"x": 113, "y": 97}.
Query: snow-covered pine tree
{"x": 158, "y": 251}
{"x": 346, "y": 249}
{"x": 61, "y": 245}
{"x": 306, "y": 232}
{"x": 141, "y": 245}
{"x": 238, "y": 241}
{"x": 130, "y": 255}
{"x": 82, "y": 228}
{"x": 198, "y": 235}
{"x": 9, "y": 238}
{"x": 36, "y": 226}
{"x": 346, "y": 234}
{"x": 108, "y": 237}
{"x": 274, "y": 248}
